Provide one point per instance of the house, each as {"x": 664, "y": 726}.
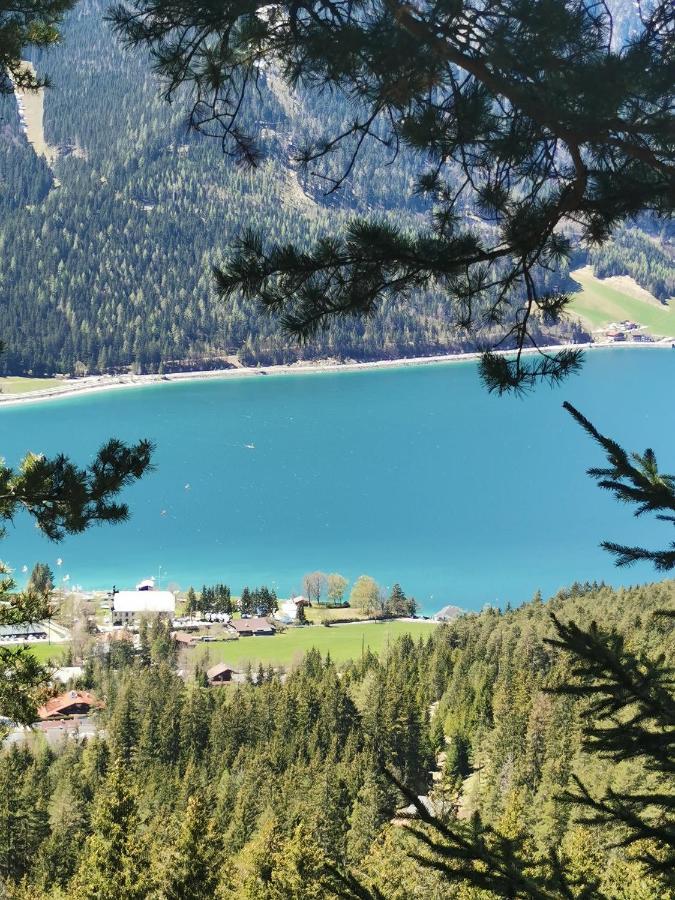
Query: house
{"x": 249, "y": 627}
{"x": 72, "y": 703}
{"x": 127, "y": 605}
{"x": 67, "y": 673}
{"x": 185, "y": 640}
{"x": 290, "y": 607}
{"x": 220, "y": 674}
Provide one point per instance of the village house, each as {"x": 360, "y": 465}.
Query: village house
{"x": 249, "y": 627}
{"x": 289, "y": 608}
{"x": 221, "y": 674}
{"x": 128, "y": 605}
{"x": 185, "y": 640}
{"x": 71, "y": 703}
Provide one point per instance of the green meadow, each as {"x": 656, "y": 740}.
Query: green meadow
{"x": 17, "y": 385}
{"x": 46, "y": 652}
{"x": 598, "y": 304}
{"x": 343, "y": 642}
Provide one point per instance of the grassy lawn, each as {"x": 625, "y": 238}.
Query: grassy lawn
{"x": 318, "y": 614}
{"x": 46, "y": 652}
{"x": 16, "y": 385}
{"x": 599, "y": 304}
{"x": 342, "y": 641}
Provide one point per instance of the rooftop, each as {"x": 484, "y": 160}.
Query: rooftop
{"x": 60, "y": 705}
{"x": 144, "y": 601}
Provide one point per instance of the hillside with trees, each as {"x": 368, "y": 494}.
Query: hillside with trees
{"x": 285, "y": 787}
{"x": 108, "y": 259}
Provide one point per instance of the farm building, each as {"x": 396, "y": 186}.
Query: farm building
{"x": 221, "y": 674}
{"x": 185, "y": 640}
{"x": 72, "y": 703}
{"x": 127, "y": 605}
{"x": 249, "y": 627}
{"x": 27, "y": 631}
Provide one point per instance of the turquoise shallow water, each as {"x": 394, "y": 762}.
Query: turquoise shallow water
{"x": 414, "y": 475}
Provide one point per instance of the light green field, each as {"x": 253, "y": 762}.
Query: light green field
{"x": 319, "y": 614}
{"x": 12, "y": 385}
{"x": 598, "y": 304}
{"x": 46, "y": 652}
{"x": 343, "y": 642}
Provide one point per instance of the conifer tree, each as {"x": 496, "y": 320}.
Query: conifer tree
{"x": 113, "y": 863}
{"x": 187, "y": 868}
{"x": 532, "y": 115}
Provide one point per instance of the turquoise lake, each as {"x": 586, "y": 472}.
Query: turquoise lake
{"x": 415, "y": 475}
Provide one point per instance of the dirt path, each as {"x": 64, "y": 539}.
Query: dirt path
{"x": 31, "y": 114}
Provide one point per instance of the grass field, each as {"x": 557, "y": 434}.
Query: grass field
{"x": 343, "y": 642}
{"x": 46, "y": 652}
{"x": 11, "y": 385}
{"x": 598, "y": 304}
{"x": 319, "y": 614}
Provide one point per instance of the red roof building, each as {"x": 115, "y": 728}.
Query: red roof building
{"x": 72, "y": 703}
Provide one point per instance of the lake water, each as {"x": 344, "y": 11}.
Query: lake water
{"x": 414, "y": 475}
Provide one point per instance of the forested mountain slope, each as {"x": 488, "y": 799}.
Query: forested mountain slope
{"x": 263, "y": 790}
{"x": 110, "y": 265}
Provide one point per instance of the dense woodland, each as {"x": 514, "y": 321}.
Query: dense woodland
{"x": 276, "y": 788}
{"x": 107, "y": 261}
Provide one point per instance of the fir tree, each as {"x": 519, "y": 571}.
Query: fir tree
{"x": 531, "y": 116}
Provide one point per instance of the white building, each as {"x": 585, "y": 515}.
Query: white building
{"x": 129, "y": 604}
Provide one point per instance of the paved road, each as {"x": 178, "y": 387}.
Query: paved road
{"x": 55, "y": 732}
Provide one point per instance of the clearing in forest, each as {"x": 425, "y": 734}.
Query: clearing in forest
{"x": 598, "y": 304}
{"x": 31, "y": 111}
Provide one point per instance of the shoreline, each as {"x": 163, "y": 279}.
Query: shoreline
{"x": 97, "y": 383}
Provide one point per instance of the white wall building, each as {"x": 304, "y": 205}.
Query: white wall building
{"x": 129, "y": 604}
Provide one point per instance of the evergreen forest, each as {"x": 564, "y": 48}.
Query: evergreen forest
{"x": 293, "y": 785}
{"x": 107, "y": 259}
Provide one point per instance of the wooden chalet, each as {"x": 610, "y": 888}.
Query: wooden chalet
{"x": 255, "y": 626}
{"x": 71, "y": 703}
{"x": 183, "y": 639}
{"x": 221, "y": 674}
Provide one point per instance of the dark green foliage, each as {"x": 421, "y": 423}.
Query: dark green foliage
{"x": 530, "y": 115}
{"x": 41, "y": 580}
{"x": 275, "y": 789}
{"x": 635, "y": 479}
{"x": 216, "y": 599}
{"x": 630, "y": 716}
{"x": 64, "y": 498}
{"x": 261, "y": 601}
{"x": 27, "y": 23}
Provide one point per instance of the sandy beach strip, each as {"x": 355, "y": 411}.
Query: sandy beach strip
{"x": 95, "y": 383}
